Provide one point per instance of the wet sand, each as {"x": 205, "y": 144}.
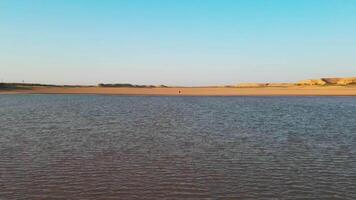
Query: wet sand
{"x": 197, "y": 91}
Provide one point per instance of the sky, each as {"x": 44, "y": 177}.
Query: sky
{"x": 176, "y": 42}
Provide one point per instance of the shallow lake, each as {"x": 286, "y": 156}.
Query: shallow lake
{"x": 126, "y": 147}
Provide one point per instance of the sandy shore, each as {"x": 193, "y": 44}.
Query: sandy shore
{"x": 196, "y": 91}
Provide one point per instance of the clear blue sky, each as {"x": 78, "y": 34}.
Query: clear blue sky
{"x": 176, "y": 42}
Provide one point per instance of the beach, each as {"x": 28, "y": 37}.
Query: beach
{"x": 194, "y": 91}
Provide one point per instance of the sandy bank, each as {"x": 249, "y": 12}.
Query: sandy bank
{"x": 197, "y": 91}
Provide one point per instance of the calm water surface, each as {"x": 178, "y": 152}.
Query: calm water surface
{"x": 115, "y": 147}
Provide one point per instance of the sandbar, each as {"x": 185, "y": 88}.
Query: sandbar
{"x": 195, "y": 91}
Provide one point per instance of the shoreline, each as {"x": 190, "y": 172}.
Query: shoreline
{"x": 194, "y": 91}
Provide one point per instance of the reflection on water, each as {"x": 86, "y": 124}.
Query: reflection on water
{"x": 114, "y": 147}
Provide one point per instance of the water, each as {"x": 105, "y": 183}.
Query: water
{"x": 115, "y": 147}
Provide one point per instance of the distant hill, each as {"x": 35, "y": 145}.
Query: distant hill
{"x": 329, "y": 81}
{"x": 309, "y": 82}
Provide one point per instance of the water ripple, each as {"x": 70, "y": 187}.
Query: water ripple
{"x": 111, "y": 147}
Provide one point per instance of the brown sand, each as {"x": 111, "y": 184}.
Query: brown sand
{"x": 197, "y": 91}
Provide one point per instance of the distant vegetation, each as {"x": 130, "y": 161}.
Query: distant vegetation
{"x": 127, "y": 85}
{"x": 27, "y": 86}
{"x": 22, "y": 86}
{"x": 11, "y": 86}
